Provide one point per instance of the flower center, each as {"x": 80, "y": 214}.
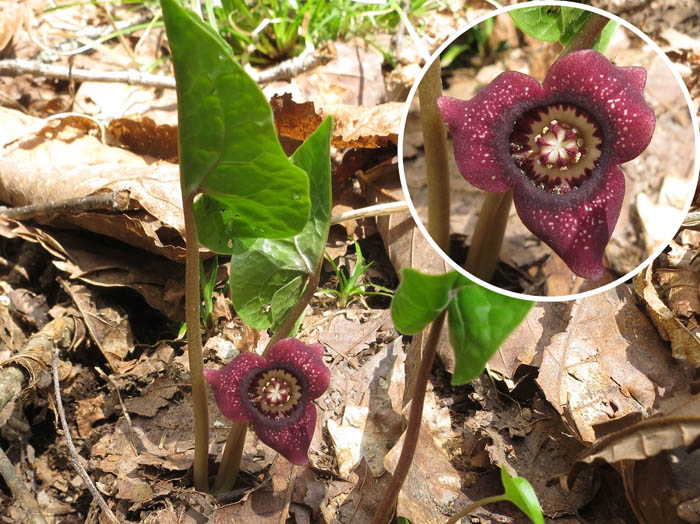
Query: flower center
{"x": 275, "y": 393}
{"x": 557, "y": 147}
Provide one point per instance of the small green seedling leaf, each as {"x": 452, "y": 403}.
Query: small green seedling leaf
{"x": 542, "y": 23}
{"x": 479, "y": 321}
{"x": 268, "y": 276}
{"x": 348, "y": 286}
{"x": 520, "y": 492}
{"x": 229, "y": 150}
{"x": 207, "y": 285}
{"x": 419, "y": 299}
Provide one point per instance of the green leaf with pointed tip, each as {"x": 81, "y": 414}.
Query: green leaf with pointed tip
{"x": 419, "y": 299}
{"x": 229, "y": 149}
{"x": 479, "y": 321}
{"x": 268, "y": 276}
{"x": 520, "y": 492}
{"x": 572, "y": 20}
{"x": 602, "y": 42}
{"x": 543, "y": 23}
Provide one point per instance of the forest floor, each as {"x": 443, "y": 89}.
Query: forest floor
{"x": 112, "y": 283}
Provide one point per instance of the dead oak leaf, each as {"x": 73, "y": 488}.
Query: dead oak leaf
{"x": 608, "y": 363}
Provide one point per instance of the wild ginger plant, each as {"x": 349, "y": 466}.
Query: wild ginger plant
{"x": 242, "y": 196}
{"x": 239, "y": 191}
{"x": 554, "y": 148}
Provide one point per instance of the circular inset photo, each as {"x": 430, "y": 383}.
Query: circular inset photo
{"x": 549, "y": 151}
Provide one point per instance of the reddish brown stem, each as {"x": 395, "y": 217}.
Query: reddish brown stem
{"x": 410, "y": 441}
{"x": 194, "y": 348}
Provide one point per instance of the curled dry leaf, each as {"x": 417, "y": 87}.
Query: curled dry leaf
{"x": 684, "y": 344}
{"x": 355, "y": 126}
{"x": 678, "y": 427}
{"x": 681, "y": 288}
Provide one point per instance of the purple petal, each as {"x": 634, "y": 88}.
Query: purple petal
{"x": 226, "y": 384}
{"x": 579, "y": 224}
{"x": 480, "y": 128}
{"x": 613, "y": 94}
{"x": 307, "y": 358}
{"x": 292, "y": 441}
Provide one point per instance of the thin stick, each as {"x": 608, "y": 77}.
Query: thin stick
{"x": 391, "y": 494}
{"x": 75, "y": 458}
{"x": 32, "y": 513}
{"x": 288, "y": 496}
{"x": 378, "y": 210}
{"x": 284, "y": 71}
{"x": 114, "y": 201}
{"x": 130, "y": 427}
{"x": 437, "y": 166}
{"x": 475, "y": 505}
{"x": 194, "y": 347}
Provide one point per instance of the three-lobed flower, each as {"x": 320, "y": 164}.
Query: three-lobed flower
{"x": 557, "y": 145}
{"x": 275, "y": 394}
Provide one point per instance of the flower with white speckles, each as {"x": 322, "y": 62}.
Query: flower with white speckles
{"x": 275, "y": 394}
{"x": 557, "y": 145}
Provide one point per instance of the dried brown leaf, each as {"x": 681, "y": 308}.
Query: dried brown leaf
{"x": 107, "y": 324}
{"x": 144, "y": 137}
{"x": 608, "y": 363}
{"x": 355, "y": 126}
{"x": 527, "y": 342}
{"x": 681, "y": 287}
{"x": 684, "y": 344}
{"x": 678, "y": 426}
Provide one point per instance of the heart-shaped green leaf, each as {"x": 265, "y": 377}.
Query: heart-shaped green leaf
{"x": 419, "y": 299}
{"x": 520, "y": 492}
{"x": 268, "y": 276}
{"x": 558, "y": 23}
{"x": 229, "y": 149}
{"x": 543, "y": 23}
{"x": 479, "y": 321}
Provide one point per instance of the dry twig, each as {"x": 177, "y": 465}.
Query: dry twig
{"x": 75, "y": 458}
{"x": 285, "y": 70}
{"x": 114, "y": 201}
{"x": 32, "y": 513}
{"x": 34, "y": 358}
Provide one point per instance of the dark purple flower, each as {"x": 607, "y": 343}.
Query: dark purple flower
{"x": 557, "y": 145}
{"x": 275, "y": 394}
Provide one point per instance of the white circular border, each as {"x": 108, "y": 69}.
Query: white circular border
{"x": 436, "y": 55}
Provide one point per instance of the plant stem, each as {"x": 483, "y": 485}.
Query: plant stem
{"x": 475, "y": 505}
{"x": 231, "y": 460}
{"x": 587, "y": 35}
{"x": 194, "y": 348}
{"x": 410, "y": 441}
{"x": 436, "y": 159}
{"x": 488, "y": 235}
{"x": 293, "y": 315}
{"x": 233, "y": 449}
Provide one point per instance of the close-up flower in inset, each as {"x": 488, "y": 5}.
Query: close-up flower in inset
{"x": 275, "y": 394}
{"x": 557, "y": 145}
